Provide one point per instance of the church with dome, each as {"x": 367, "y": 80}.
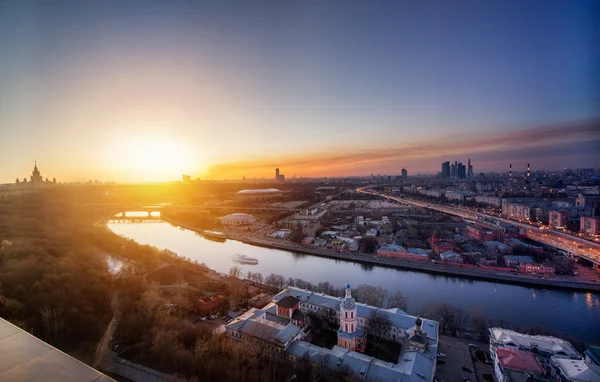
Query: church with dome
{"x": 286, "y": 326}
{"x": 350, "y": 335}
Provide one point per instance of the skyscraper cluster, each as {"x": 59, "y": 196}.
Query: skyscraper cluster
{"x": 457, "y": 170}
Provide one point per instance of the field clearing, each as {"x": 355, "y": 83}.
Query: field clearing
{"x": 364, "y": 204}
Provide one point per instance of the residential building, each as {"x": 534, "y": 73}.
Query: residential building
{"x": 359, "y": 220}
{"x": 589, "y": 200}
{"x": 451, "y": 256}
{"x": 434, "y": 192}
{"x": 391, "y": 250}
{"x": 511, "y": 261}
{"x": 590, "y": 226}
{"x": 372, "y": 232}
{"x": 310, "y": 229}
{"x": 489, "y": 200}
{"x": 516, "y": 211}
{"x": 212, "y": 304}
{"x": 480, "y": 187}
{"x": 538, "y": 269}
{"x": 399, "y": 252}
{"x": 501, "y": 230}
{"x": 404, "y": 174}
{"x": 516, "y": 243}
{"x": 558, "y": 218}
{"x": 479, "y": 233}
{"x": 310, "y": 215}
{"x": 460, "y": 195}
{"x": 498, "y": 247}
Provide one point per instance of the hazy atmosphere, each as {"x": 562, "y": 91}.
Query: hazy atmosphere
{"x": 226, "y": 90}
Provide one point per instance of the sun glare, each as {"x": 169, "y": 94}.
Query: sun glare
{"x": 152, "y": 158}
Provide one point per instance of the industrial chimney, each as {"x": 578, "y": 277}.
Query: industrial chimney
{"x": 528, "y": 171}
{"x": 510, "y": 171}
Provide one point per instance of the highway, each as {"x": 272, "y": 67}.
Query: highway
{"x": 574, "y": 245}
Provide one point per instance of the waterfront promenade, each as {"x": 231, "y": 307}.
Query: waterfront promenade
{"x": 425, "y": 266}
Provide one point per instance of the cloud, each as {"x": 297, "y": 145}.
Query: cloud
{"x": 549, "y": 142}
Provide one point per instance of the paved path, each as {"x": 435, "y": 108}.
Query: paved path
{"x": 102, "y": 347}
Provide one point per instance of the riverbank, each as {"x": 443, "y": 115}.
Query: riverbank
{"x": 416, "y": 265}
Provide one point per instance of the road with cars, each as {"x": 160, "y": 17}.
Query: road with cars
{"x": 574, "y": 245}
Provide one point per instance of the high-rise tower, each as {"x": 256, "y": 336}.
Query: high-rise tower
{"x": 36, "y": 177}
{"x": 469, "y": 170}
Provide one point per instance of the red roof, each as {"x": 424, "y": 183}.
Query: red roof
{"x": 518, "y": 360}
{"x": 209, "y": 304}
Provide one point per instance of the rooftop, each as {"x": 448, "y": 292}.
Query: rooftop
{"x": 594, "y": 353}
{"x": 26, "y": 358}
{"x": 412, "y": 365}
{"x": 577, "y": 370}
{"x": 518, "y": 360}
{"x": 259, "y": 191}
{"x": 397, "y": 317}
{"x": 553, "y": 345}
{"x": 288, "y": 302}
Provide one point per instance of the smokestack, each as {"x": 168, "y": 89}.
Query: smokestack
{"x": 528, "y": 170}
{"x": 510, "y": 171}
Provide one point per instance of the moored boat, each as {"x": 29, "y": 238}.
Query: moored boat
{"x": 215, "y": 235}
{"x": 244, "y": 259}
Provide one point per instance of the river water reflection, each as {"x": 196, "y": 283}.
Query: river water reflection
{"x": 572, "y": 314}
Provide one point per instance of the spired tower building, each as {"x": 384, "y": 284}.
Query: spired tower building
{"x": 350, "y": 336}
{"x": 36, "y": 177}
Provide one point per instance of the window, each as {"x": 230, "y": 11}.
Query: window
{"x": 346, "y": 327}
{"x": 351, "y": 314}
{"x": 346, "y": 314}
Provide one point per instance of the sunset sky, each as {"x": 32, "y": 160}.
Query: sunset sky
{"x": 149, "y": 90}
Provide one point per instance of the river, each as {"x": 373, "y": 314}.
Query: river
{"x": 570, "y": 314}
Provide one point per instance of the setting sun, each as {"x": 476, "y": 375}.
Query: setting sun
{"x": 152, "y": 157}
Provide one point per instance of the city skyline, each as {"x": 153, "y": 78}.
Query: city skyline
{"x": 147, "y": 92}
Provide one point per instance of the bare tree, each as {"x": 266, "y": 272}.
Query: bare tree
{"x": 276, "y": 281}
{"x": 378, "y": 326}
{"x": 445, "y": 314}
{"x": 398, "y": 300}
{"x": 325, "y": 287}
{"x": 480, "y": 325}
{"x": 370, "y": 295}
{"x": 52, "y": 324}
{"x": 459, "y": 320}
{"x": 235, "y": 272}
